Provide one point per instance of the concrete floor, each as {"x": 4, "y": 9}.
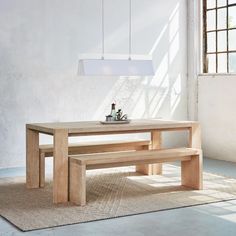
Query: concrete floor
{"x": 211, "y": 220}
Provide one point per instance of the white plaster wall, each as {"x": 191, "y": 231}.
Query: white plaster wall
{"x": 217, "y": 115}
{"x": 39, "y": 45}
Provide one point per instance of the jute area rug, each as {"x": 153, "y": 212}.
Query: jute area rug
{"x": 110, "y": 193}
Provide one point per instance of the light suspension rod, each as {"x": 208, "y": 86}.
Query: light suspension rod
{"x": 103, "y": 34}
{"x": 130, "y": 29}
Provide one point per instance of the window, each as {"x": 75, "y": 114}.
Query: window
{"x": 219, "y": 36}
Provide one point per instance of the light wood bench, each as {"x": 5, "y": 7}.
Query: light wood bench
{"x": 89, "y": 147}
{"x": 191, "y": 166}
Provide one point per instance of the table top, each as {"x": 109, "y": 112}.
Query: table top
{"x": 95, "y": 127}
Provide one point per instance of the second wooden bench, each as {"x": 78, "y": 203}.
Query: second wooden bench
{"x": 89, "y": 147}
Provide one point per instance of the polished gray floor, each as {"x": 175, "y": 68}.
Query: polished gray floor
{"x": 211, "y": 220}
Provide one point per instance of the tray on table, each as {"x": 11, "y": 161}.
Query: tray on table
{"x": 115, "y": 122}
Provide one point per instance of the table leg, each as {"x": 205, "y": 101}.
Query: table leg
{"x": 60, "y": 166}
{"x": 32, "y": 158}
{"x": 195, "y": 136}
{"x": 152, "y": 169}
{"x": 156, "y": 144}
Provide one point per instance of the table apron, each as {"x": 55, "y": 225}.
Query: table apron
{"x": 87, "y": 133}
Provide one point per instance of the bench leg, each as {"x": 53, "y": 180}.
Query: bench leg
{"x": 42, "y": 169}
{"x": 152, "y": 169}
{"x": 191, "y": 172}
{"x": 77, "y": 186}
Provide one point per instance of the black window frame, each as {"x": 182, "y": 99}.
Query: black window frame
{"x": 216, "y": 30}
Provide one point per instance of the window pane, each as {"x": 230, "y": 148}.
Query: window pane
{"x": 232, "y": 17}
{"x": 222, "y": 63}
{"x": 211, "y": 62}
{"x": 211, "y": 42}
{"x": 221, "y": 42}
{"x": 211, "y": 20}
{"x": 222, "y": 45}
{"x": 221, "y": 3}
{"x": 211, "y": 4}
{"x": 232, "y": 62}
{"x": 221, "y": 21}
{"x": 231, "y": 1}
{"x": 232, "y": 39}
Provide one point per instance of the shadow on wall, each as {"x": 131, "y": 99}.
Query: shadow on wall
{"x": 39, "y": 52}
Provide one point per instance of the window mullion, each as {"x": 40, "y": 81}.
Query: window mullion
{"x": 216, "y": 37}
{"x": 205, "y": 65}
{"x": 227, "y": 34}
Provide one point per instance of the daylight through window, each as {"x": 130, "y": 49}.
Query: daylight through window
{"x": 219, "y": 42}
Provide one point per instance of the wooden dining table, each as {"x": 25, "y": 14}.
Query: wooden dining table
{"x": 61, "y": 131}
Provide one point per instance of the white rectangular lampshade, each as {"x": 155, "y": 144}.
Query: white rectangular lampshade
{"x": 115, "y": 67}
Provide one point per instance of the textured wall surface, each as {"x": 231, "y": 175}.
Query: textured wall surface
{"x": 39, "y": 46}
{"x": 217, "y": 114}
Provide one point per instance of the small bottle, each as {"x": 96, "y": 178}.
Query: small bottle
{"x": 113, "y": 111}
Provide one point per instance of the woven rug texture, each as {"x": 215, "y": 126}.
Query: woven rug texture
{"x": 111, "y": 193}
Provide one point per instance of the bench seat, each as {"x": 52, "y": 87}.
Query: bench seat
{"x": 191, "y": 166}
{"x": 46, "y": 150}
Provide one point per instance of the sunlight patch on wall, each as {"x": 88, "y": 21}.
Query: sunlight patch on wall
{"x": 175, "y": 94}
{"x": 155, "y": 45}
{"x": 174, "y": 48}
{"x": 161, "y": 71}
{"x": 174, "y": 22}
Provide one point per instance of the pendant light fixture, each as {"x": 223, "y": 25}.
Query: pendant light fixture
{"x": 116, "y": 65}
